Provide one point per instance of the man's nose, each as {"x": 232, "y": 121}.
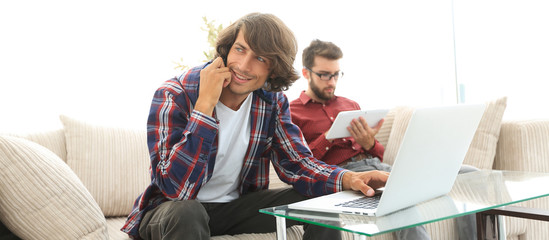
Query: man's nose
{"x": 332, "y": 80}
{"x": 245, "y": 64}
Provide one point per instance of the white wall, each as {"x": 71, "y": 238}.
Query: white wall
{"x": 102, "y": 60}
{"x": 503, "y": 50}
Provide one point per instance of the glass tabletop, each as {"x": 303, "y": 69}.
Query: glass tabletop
{"x": 472, "y": 192}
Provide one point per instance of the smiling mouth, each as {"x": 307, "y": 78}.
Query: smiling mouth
{"x": 240, "y": 77}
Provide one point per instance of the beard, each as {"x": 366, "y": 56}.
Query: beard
{"x": 320, "y": 93}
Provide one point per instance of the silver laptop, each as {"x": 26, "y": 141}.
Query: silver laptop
{"x": 426, "y": 165}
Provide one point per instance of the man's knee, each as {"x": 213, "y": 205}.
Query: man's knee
{"x": 191, "y": 208}
{"x": 175, "y": 218}
{"x": 183, "y": 214}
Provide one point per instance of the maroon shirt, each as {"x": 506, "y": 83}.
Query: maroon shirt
{"x": 315, "y": 118}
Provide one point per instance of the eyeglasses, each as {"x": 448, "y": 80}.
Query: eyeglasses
{"x": 327, "y": 76}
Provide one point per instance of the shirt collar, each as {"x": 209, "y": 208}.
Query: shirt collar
{"x": 304, "y": 98}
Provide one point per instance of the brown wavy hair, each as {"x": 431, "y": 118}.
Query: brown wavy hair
{"x": 268, "y": 37}
{"x": 320, "y": 48}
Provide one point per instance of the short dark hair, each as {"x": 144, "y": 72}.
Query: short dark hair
{"x": 269, "y": 37}
{"x": 320, "y": 48}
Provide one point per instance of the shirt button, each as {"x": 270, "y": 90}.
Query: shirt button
{"x": 332, "y": 118}
{"x": 345, "y": 139}
{"x": 327, "y": 148}
{"x": 354, "y": 148}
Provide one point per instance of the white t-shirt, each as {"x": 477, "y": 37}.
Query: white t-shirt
{"x": 234, "y": 137}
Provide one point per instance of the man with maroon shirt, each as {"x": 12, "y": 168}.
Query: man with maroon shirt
{"x": 316, "y": 109}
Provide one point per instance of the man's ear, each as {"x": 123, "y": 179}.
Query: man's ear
{"x": 305, "y": 72}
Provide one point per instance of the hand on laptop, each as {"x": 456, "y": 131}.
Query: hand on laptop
{"x": 366, "y": 182}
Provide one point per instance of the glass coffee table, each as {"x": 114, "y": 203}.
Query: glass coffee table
{"x": 485, "y": 193}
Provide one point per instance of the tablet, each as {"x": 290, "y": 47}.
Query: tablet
{"x": 343, "y": 120}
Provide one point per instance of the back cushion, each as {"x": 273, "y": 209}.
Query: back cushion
{"x": 113, "y": 163}
{"x": 400, "y": 121}
{"x": 53, "y": 140}
{"x": 482, "y": 151}
{"x": 384, "y": 132}
{"x": 523, "y": 146}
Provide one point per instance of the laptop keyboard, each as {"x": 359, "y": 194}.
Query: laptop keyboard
{"x": 363, "y": 202}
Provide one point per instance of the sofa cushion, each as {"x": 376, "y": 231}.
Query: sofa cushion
{"x": 483, "y": 147}
{"x": 482, "y": 151}
{"x": 114, "y": 225}
{"x": 523, "y": 146}
{"x": 53, "y": 140}
{"x": 385, "y": 131}
{"x": 113, "y": 163}
{"x": 402, "y": 115}
{"x": 42, "y": 198}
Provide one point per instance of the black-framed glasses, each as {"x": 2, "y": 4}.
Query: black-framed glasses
{"x": 327, "y": 76}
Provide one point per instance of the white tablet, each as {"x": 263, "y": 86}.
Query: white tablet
{"x": 343, "y": 120}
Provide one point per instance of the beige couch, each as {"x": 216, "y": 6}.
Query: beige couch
{"x": 81, "y": 181}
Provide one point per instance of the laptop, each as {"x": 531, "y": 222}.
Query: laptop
{"x": 427, "y": 163}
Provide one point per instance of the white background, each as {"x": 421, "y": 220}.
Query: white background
{"x": 102, "y": 60}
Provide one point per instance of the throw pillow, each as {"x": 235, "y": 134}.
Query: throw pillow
{"x": 54, "y": 140}
{"x": 482, "y": 150}
{"x": 523, "y": 146}
{"x": 400, "y": 121}
{"x": 42, "y": 198}
{"x": 483, "y": 147}
{"x": 384, "y": 132}
{"x": 113, "y": 163}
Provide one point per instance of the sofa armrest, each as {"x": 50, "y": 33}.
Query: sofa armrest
{"x": 523, "y": 146}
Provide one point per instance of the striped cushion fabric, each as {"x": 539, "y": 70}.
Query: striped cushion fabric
{"x": 482, "y": 151}
{"x": 54, "y": 140}
{"x": 42, "y": 198}
{"x": 112, "y": 162}
{"x": 383, "y": 135}
{"x": 400, "y": 121}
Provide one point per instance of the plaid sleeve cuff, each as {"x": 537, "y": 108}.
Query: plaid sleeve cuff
{"x": 337, "y": 184}
{"x": 203, "y": 125}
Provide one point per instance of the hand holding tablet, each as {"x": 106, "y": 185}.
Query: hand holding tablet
{"x": 343, "y": 120}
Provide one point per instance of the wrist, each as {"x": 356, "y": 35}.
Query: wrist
{"x": 346, "y": 180}
{"x": 371, "y": 147}
{"x": 205, "y": 108}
